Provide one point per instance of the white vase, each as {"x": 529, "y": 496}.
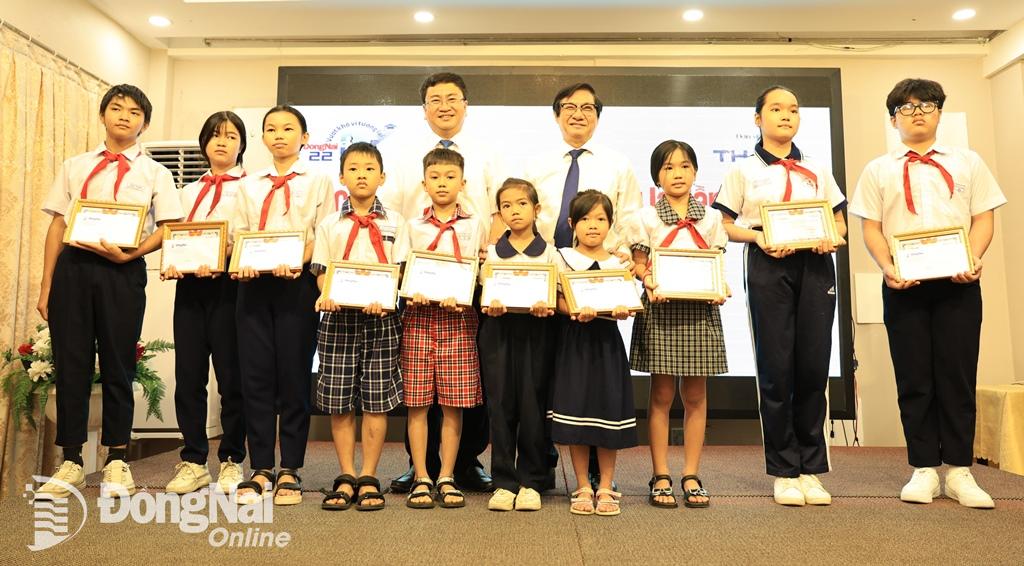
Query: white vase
{"x": 95, "y": 404}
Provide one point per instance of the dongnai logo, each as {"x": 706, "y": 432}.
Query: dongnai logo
{"x": 50, "y": 515}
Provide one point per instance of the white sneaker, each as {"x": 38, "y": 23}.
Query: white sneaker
{"x": 814, "y": 493}
{"x": 922, "y": 487}
{"x": 960, "y": 486}
{"x": 527, "y": 500}
{"x": 69, "y": 473}
{"x": 229, "y": 477}
{"x": 787, "y": 492}
{"x": 117, "y": 480}
{"x": 188, "y": 477}
{"x": 502, "y": 500}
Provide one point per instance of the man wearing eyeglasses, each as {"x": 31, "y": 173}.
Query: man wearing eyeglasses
{"x": 577, "y": 164}
{"x": 444, "y": 109}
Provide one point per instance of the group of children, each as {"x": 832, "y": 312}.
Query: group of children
{"x": 549, "y": 377}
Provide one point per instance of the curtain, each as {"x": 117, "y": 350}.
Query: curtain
{"x": 49, "y": 113}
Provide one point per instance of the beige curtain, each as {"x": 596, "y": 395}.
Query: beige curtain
{"x": 50, "y": 112}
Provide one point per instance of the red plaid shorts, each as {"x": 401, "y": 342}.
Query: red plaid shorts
{"x": 439, "y": 356}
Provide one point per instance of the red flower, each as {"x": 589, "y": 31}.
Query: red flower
{"x": 25, "y": 349}
{"x": 140, "y": 349}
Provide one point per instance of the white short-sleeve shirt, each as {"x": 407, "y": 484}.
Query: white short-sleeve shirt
{"x": 468, "y": 229}
{"x": 601, "y": 169}
{"x": 146, "y": 182}
{"x": 225, "y": 209}
{"x": 651, "y": 225}
{"x": 332, "y": 236}
{"x": 312, "y": 200}
{"x": 756, "y": 180}
{"x": 880, "y": 194}
{"x": 484, "y": 172}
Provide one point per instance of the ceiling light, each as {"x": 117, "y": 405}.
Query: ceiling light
{"x": 159, "y": 21}
{"x": 964, "y": 14}
{"x": 693, "y": 15}
{"x": 423, "y": 17}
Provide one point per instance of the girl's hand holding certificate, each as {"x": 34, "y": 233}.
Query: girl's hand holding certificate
{"x": 778, "y": 252}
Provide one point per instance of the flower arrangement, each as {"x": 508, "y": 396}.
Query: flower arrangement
{"x": 31, "y": 373}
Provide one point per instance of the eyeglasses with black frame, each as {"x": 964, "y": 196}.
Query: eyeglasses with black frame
{"x": 450, "y": 101}
{"x": 571, "y": 108}
{"x": 908, "y": 109}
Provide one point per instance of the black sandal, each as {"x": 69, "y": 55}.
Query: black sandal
{"x": 699, "y": 492}
{"x": 293, "y": 499}
{"x": 427, "y": 496}
{"x": 256, "y": 486}
{"x": 661, "y": 492}
{"x": 373, "y": 482}
{"x": 346, "y": 499}
{"x": 442, "y": 496}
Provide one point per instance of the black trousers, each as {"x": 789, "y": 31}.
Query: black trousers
{"x": 204, "y": 327}
{"x": 516, "y": 364}
{"x": 472, "y": 443}
{"x": 95, "y": 305}
{"x": 934, "y": 337}
{"x": 792, "y": 307}
{"x": 276, "y": 342}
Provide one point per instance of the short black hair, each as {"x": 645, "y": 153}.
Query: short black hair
{"x": 585, "y": 201}
{"x": 759, "y": 103}
{"x": 289, "y": 109}
{"x": 365, "y": 148}
{"x": 515, "y": 183}
{"x": 213, "y": 126}
{"x": 568, "y": 91}
{"x": 131, "y": 92}
{"x": 921, "y": 89}
{"x": 664, "y": 151}
{"x": 443, "y": 156}
{"x": 442, "y": 78}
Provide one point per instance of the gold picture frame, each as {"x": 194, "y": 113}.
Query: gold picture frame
{"x": 360, "y": 280}
{"x": 932, "y": 254}
{"x": 445, "y": 268}
{"x": 508, "y": 271}
{"x": 800, "y": 214}
{"x": 244, "y": 239}
{"x": 617, "y": 279}
{"x": 709, "y": 263}
{"x": 190, "y": 233}
{"x": 90, "y": 217}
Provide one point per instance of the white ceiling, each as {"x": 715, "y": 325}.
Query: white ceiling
{"x": 214, "y": 23}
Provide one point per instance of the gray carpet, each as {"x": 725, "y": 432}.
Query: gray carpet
{"x": 866, "y": 524}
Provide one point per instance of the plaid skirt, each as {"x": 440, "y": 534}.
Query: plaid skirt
{"x": 681, "y": 338}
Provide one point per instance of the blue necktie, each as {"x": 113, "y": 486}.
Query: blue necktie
{"x": 563, "y": 233}
{"x": 446, "y": 144}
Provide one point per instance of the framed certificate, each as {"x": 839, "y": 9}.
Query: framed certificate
{"x": 118, "y": 223}
{"x": 438, "y": 277}
{"x": 519, "y": 286}
{"x": 188, "y": 245}
{"x": 601, "y": 290}
{"x": 689, "y": 274}
{"x": 932, "y": 254}
{"x": 798, "y": 224}
{"x": 264, "y": 251}
{"x": 357, "y": 285}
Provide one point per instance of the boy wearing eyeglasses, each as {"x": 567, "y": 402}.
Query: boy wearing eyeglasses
{"x": 934, "y": 326}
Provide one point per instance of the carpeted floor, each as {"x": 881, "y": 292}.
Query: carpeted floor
{"x": 866, "y": 523}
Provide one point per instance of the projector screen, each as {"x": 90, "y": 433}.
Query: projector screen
{"x": 513, "y": 112}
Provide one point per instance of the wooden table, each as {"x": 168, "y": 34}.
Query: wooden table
{"x": 999, "y": 430}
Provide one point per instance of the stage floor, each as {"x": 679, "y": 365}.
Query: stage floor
{"x": 866, "y": 524}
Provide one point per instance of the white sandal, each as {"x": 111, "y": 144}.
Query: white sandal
{"x": 579, "y": 499}
{"x": 613, "y": 503}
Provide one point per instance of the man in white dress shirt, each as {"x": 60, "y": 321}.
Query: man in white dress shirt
{"x": 444, "y": 109}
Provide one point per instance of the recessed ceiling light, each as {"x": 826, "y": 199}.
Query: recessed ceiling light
{"x": 693, "y": 15}
{"x": 423, "y": 17}
{"x": 159, "y": 21}
{"x": 964, "y": 14}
